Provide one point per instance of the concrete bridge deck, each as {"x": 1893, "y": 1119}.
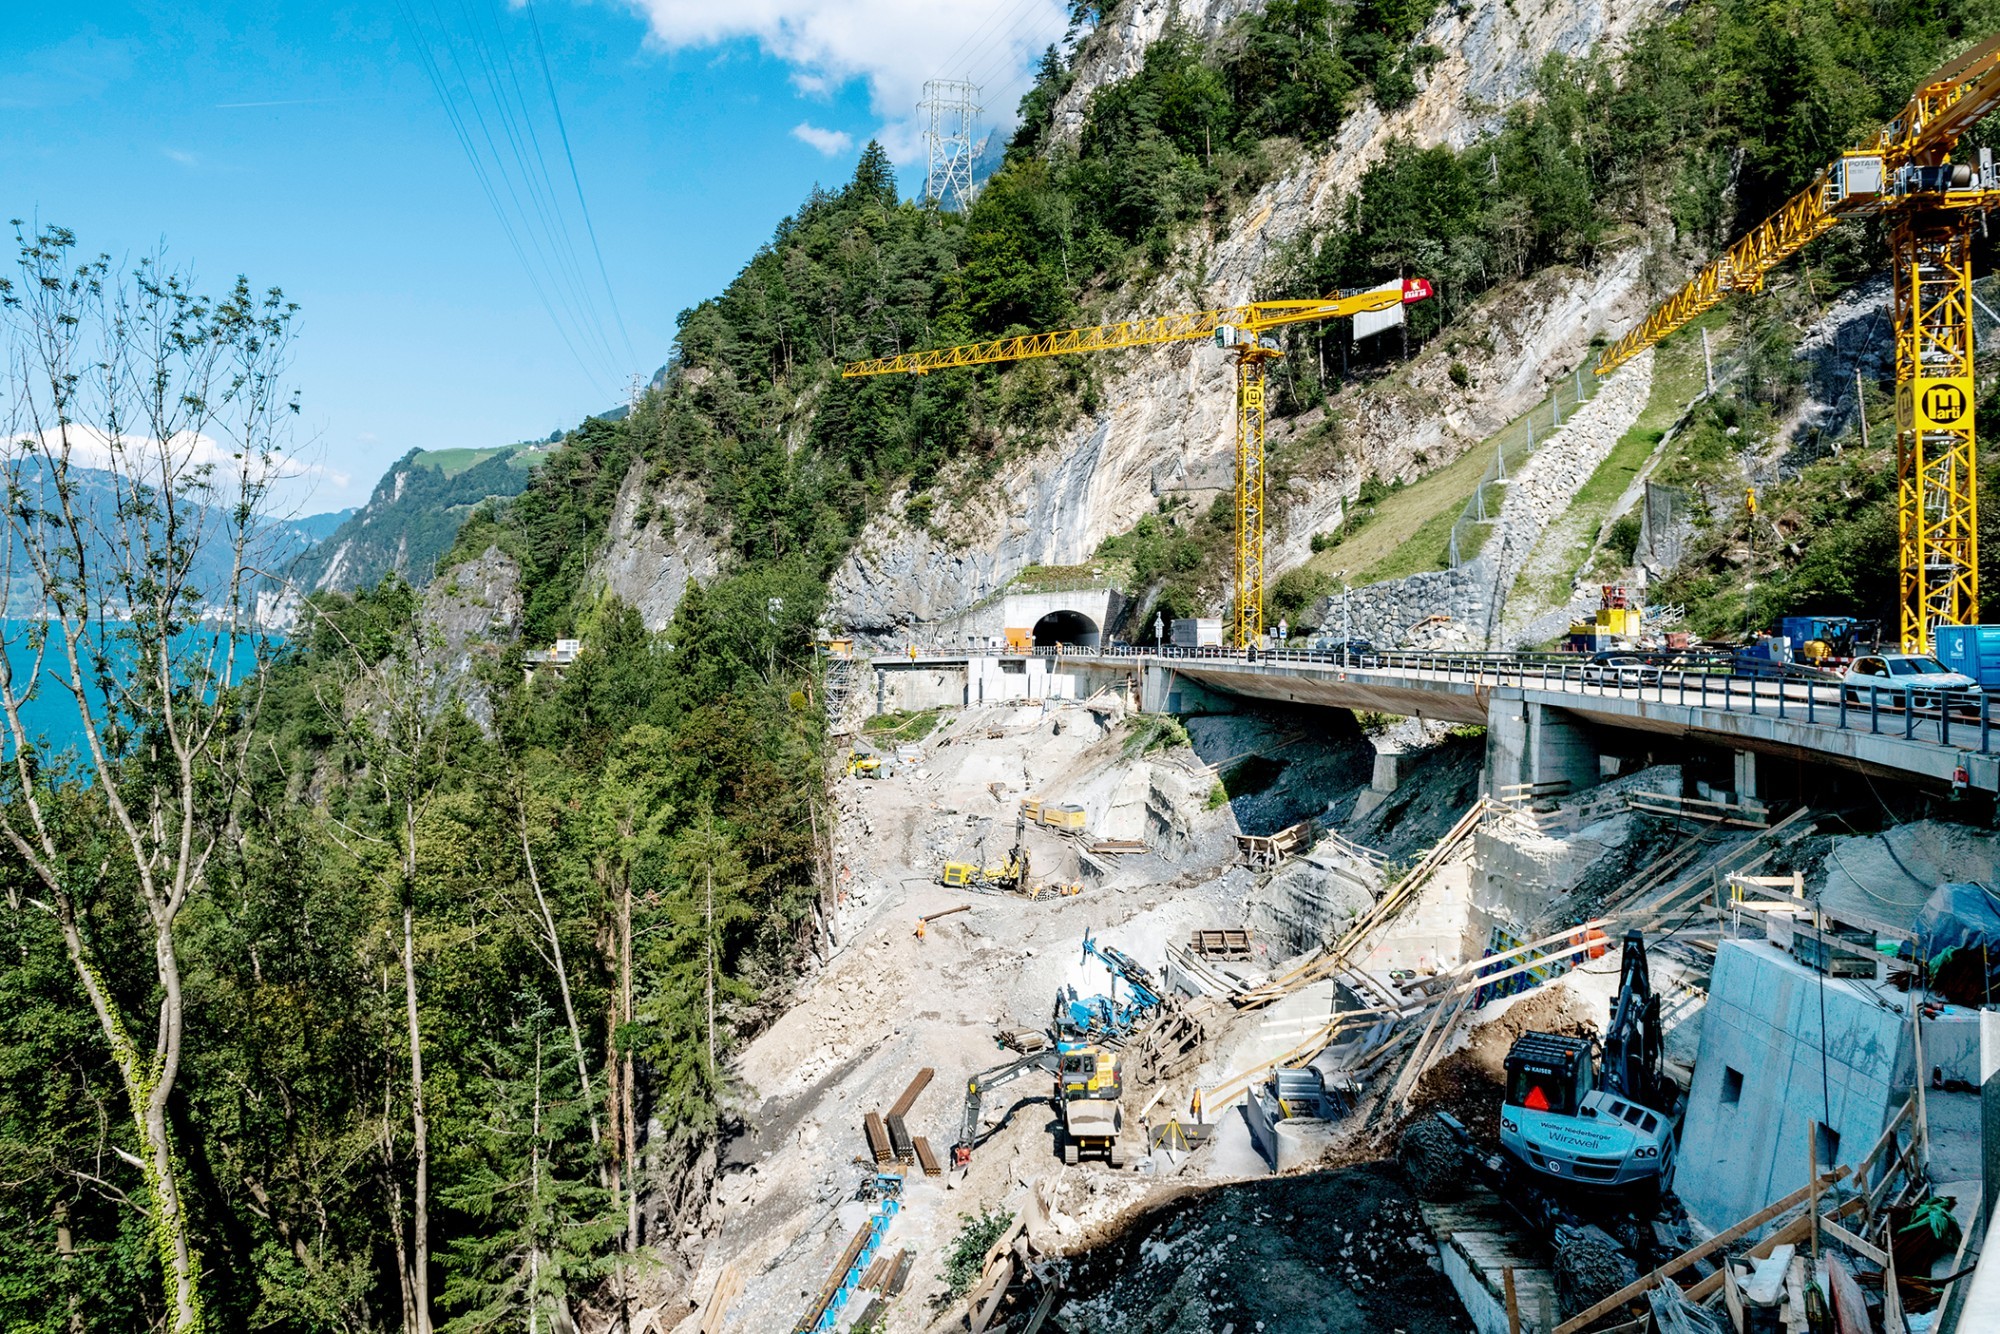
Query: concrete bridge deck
{"x": 1548, "y": 716}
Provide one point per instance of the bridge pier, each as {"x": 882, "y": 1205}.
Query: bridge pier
{"x": 1166, "y": 690}
{"x": 1535, "y": 743}
{"x": 1746, "y": 778}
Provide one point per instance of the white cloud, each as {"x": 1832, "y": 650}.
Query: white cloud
{"x": 181, "y": 156}
{"x": 829, "y": 142}
{"x": 150, "y": 460}
{"x": 893, "y": 45}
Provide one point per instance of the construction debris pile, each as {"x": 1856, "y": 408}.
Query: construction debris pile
{"x": 1341, "y": 1252}
{"x": 1200, "y": 1130}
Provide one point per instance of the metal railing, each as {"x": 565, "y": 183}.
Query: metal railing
{"x": 1954, "y": 719}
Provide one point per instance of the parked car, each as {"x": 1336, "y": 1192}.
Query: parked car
{"x": 1335, "y": 645}
{"x": 1624, "y": 669}
{"x": 1920, "y": 681}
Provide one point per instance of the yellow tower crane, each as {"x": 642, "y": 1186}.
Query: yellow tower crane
{"x": 1239, "y": 329}
{"x": 1905, "y": 175}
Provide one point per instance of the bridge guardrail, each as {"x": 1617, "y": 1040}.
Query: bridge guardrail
{"x": 1954, "y": 719}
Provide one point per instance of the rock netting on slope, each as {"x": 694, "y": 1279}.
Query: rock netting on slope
{"x": 1463, "y": 608}
{"x": 1167, "y": 427}
{"x": 1531, "y": 538}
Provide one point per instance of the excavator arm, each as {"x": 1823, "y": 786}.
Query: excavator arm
{"x": 1632, "y": 1040}
{"x": 977, "y": 1087}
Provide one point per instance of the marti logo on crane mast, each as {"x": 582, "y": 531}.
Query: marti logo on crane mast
{"x": 1935, "y": 405}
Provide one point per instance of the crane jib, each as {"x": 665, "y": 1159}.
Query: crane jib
{"x": 1149, "y": 332}
{"x": 1905, "y": 175}
{"x": 1235, "y": 328}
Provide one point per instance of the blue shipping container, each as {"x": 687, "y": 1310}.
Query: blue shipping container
{"x": 1971, "y": 649}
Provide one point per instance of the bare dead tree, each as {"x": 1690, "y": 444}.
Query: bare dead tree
{"x": 143, "y": 425}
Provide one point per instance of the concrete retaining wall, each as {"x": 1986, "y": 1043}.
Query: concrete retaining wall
{"x": 1768, "y": 1070}
{"x": 911, "y": 687}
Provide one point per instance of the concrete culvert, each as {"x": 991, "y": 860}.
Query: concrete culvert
{"x": 1589, "y": 1267}
{"x": 1432, "y": 1159}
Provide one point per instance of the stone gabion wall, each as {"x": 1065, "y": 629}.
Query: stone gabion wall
{"x": 1461, "y": 609}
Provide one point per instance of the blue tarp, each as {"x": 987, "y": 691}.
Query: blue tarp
{"x": 1956, "y": 917}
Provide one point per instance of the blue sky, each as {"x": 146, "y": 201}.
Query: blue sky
{"x": 308, "y": 146}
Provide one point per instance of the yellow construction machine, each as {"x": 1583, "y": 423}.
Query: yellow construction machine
{"x": 1011, "y": 874}
{"x": 1240, "y": 331}
{"x": 1929, "y": 205}
{"x": 864, "y": 764}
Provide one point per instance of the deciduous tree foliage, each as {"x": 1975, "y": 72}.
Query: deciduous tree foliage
{"x": 615, "y": 873}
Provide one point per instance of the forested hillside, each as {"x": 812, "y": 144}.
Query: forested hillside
{"x": 453, "y": 994}
{"x": 413, "y": 517}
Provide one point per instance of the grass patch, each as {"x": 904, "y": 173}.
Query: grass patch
{"x": 1154, "y": 731}
{"x": 1417, "y": 516}
{"x": 452, "y": 462}
{"x": 1071, "y": 578}
{"x": 893, "y": 726}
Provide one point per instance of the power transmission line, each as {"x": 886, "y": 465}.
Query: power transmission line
{"x": 518, "y": 125}
{"x": 967, "y": 49}
{"x": 464, "y": 135}
{"x": 589, "y": 226}
{"x": 487, "y": 102}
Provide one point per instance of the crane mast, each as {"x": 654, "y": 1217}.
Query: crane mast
{"x": 1237, "y": 329}
{"x": 1906, "y": 175}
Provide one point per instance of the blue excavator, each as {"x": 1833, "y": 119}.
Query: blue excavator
{"x": 1588, "y": 1133}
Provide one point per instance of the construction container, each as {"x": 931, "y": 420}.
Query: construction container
{"x": 1971, "y": 649}
{"x": 1623, "y": 622}
{"x": 1031, "y": 809}
{"x": 1198, "y": 632}
{"x": 1063, "y": 817}
{"x": 1019, "y": 638}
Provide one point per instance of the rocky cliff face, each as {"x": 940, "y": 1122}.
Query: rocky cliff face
{"x": 472, "y": 613}
{"x": 1166, "y": 427}
{"x": 654, "y": 547}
